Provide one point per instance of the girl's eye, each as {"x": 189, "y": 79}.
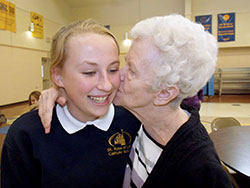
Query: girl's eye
{"x": 114, "y": 70}
{"x": 91, "y": 73}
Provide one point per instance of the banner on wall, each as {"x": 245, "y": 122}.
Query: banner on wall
{"x": 7, "y": 16}
{"x": 226, "y": 27}
{"x": 37, "y": 20}
{"x": 206, "y": 21}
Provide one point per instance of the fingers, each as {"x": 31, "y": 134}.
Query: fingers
{"x": 47, "y": 130}
{"x": 46, "y": 105}
{"x": 46, "y": 122}
{"x": 45, "y": 118}
{"x": 61, "y": 101}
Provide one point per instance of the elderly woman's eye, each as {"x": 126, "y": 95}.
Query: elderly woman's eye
{"x": 131, "y": 71}
{"x": 90, "y": 73}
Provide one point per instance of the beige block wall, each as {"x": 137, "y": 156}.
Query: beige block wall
{"x": 21, "y": 54}
{"x": 234, "y": 57}
{"x": 57, "y": 11}
{"x": 20, "y": 73}
{"x": 128, "y": 12}
{"x": 231, "y": 54}
{"x": 20, "y": 64}
{"x": 122, "y": 15}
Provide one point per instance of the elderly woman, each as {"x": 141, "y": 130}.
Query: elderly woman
{"x": 168, "y": 61}
{"x": 171, "y": 58}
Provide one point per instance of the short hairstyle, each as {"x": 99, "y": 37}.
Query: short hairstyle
{"x": 188, "y": 54}
{"x": 35, "y": 94}
{"x": 57, "y": 52}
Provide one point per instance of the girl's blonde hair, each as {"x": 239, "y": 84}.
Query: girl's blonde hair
{"x": 57, "y": 52}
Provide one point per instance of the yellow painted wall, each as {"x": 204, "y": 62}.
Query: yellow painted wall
{"x": 21, "y": 55}
{"x": 234, "y": 57}
{"x": 129, "y": 11}
{"x": 231, "y": 54}
{"x": 20, "y": 64}
{"x": 20, "y": 73}
{"x": 122, "y": 15}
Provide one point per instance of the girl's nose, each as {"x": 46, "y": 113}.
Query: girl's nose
{"x": 104, "y": 83}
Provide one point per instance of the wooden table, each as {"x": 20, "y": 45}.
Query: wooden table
{"x": 233, "y": 147}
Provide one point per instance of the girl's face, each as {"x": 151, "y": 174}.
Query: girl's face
{"x": 90, "y": 75}
{"x": 33, "y": 100}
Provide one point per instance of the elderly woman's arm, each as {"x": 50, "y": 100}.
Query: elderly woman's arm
{"x": 46, "y": 104}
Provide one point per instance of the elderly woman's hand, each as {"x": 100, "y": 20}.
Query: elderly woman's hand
{"x": 46, "y": 104}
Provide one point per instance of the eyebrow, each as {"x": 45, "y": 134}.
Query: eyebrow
{"x": 115, "y": 62}
{"x": 95, "y": 64}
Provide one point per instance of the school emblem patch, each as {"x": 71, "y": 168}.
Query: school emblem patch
{"x": 120, "y": 143}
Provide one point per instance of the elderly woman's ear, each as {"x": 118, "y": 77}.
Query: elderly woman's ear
{"x": 165, "y": 96}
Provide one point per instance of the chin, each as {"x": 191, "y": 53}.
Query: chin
{"x": 100, "y": 113}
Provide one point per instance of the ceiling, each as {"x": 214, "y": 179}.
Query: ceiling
{"x": 77, "y": 3}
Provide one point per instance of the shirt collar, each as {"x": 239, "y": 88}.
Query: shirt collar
{"x": 72, "y": 125}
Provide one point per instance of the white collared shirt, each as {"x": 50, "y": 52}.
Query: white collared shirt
{"x": 72, "y": 125}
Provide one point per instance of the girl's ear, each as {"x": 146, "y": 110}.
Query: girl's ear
{"x": 56, "y": 76}
{"x": 163, "y": 97}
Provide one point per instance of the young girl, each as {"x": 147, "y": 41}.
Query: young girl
{"x": 90, "y": 138}
{"x": 34, "y": 97}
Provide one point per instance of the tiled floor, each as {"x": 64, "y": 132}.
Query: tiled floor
{"x": 209, "y": 111}
{"x": 237, "y": 106}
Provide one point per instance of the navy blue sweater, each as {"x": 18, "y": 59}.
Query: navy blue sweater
{"x": 189, "y": 159}
{"x": 88, "y": 158}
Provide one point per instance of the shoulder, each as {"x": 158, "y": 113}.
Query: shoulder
{"x": 194, "y": 145}
{"x": 21, "y": 130}
{"x": 123, "y": 119}
{"x": 191, "y": 132}
{"x": 25, "y": 121}
{"x": 119, "y": 110}
{"x": 191, "y": 143}
{"x": 26, "y": 127}
{"x": 123, "y": 114}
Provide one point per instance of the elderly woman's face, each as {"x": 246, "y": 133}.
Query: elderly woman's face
{"x": 135, "y": 91}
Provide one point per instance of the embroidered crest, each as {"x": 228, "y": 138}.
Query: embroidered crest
{"x": 120, "y": 143}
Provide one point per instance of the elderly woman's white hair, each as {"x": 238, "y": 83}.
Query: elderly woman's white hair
{"x": 188, "y": 54}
